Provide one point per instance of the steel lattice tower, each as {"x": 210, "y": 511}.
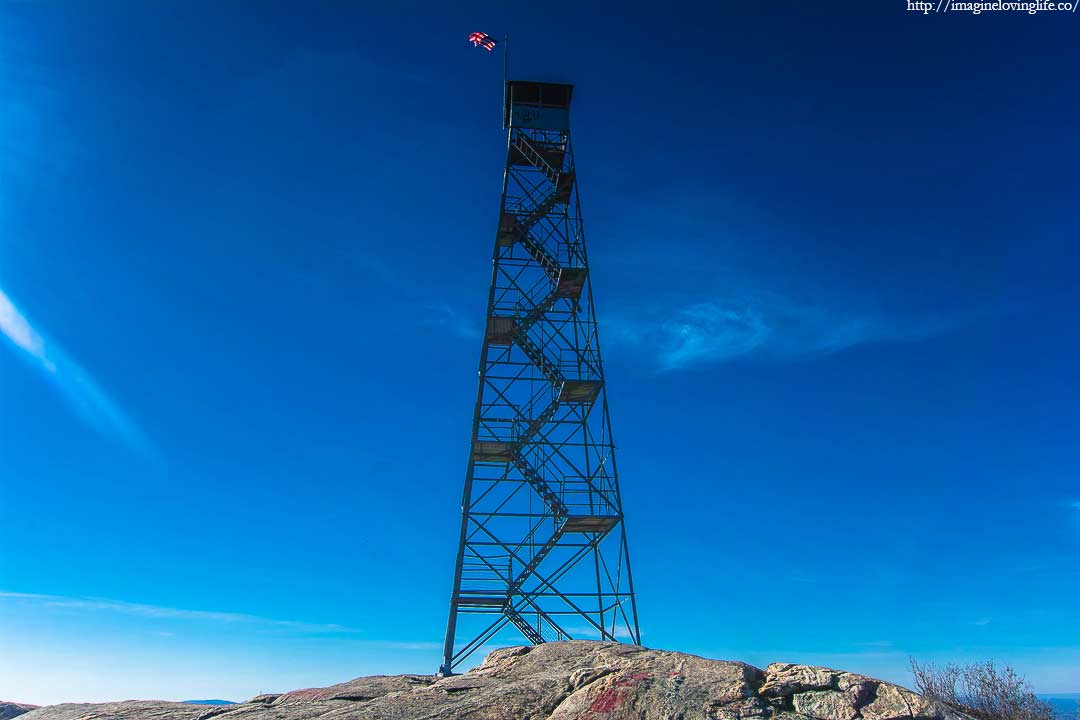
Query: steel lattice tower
{"x": 542, "y": 545}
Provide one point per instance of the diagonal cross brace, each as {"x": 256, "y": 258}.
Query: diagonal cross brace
{"x": 538, "y": 422}
{"x": 538, "y": 311}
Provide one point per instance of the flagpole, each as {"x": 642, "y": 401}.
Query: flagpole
{"x": 506, "y": 76}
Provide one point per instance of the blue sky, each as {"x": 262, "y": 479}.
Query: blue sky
{"x": 244, "y": 255}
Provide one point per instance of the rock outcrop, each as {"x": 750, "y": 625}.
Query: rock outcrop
{"x": 9, "y": 710}
{"x": 578, "y": 680}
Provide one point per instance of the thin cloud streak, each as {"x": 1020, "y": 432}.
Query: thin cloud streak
{"x": 158, "y": 612}
{"x": 169, "y": 613}
{"x": 85, "y": 397}
{"x": 443, "y": 315}
{"x": 438, "y": 313}
{"x": 767, "y": 326}
{"x": 18, "y": 329}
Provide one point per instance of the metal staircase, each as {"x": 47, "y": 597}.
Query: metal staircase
{"x": 543, "y": 257}
{"x": 535, "y": 158}
{"x": 533, "y": 351}
{"x": 545, "y": 491}
{"x": 532, "y": 634}
{"x": 537, "y": 558}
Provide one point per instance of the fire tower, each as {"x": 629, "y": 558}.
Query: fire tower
{"x": 542, "y": 543}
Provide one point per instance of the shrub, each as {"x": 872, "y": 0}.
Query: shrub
{"x": 981, "y": 690}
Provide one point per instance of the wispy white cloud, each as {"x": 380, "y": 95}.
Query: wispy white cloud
{"x": 253, "y": 623}
{"x": 169, "y": 613}
{"x": 18, "y": 329}
{"x": 443, "y": 315}
{"x": 878, "y": 644}
{"x": 85, "y": 397}
{"x": 420, "y": 646}
{"x": 983, "y": 622}
{"x": 766, "y": 326}
{"x": 436, "y": 313}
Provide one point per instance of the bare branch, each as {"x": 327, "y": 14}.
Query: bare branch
{"x": 981, "y": 690}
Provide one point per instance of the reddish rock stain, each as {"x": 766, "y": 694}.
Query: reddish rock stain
{"x": 608, "y": 701}
{"x": 612, "y": 697}
{"x": 632, "y": 680}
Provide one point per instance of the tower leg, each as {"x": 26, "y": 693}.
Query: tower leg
{"x": 447, "y": 667}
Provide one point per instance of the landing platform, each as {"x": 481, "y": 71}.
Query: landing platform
{"x": 590, "y": 523}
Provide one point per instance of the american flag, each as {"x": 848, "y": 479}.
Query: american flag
{"x": 483, "y": 40}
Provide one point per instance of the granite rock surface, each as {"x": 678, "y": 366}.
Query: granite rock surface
{"x": 577, "y": 680}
